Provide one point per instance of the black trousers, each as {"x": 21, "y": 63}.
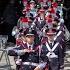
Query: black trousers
{"x": 54, "y": 64}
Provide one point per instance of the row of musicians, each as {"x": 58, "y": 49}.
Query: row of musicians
{"x": 47, "y": 55}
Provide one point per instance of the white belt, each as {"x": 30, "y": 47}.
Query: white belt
{"x": 52, "y": 55}
{"x": 30, "y": 63}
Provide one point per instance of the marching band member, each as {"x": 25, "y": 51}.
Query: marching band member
{"x": 29, "y": 56}
{"x": 40, "y": 20}
{"x": 33, "y": 10}
{"x": 42, "y": 37}
{"x": 53, "y": 50}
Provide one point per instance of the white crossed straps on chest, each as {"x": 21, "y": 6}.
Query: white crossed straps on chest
{"x": 51, "y": 53}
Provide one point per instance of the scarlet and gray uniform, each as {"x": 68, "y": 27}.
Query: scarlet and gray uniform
{"x": 28, "y": 60}
{"x": 54, "y": 53}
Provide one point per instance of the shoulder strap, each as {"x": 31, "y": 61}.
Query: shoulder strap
{"x": 55, "y": 46}
{"x": 48, "y": 47}
{"x": 40, "y": 47}
{"x": 57, "y": 35}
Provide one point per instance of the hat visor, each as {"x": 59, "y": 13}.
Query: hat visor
{"x": 29, "y": 34}
{"x": 50, "y": 34}
{"x": 32, "y": 2}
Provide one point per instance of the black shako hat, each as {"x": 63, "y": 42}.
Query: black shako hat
{"x": 30, "y": 32}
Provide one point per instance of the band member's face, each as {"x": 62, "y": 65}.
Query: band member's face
{"x": 54, "y": 22}
{"x": 51, "y": 37}
{"x": 42, "y": 15}
{"x": 44, "y": 1}
{"x": 30, "y": 39}
{"x": 25, "y": 3}
{"x": 32, "y": 5}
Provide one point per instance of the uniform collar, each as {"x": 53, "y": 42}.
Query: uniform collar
{"x": 29, "y": 45}
{"x": 51, "y": 42}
